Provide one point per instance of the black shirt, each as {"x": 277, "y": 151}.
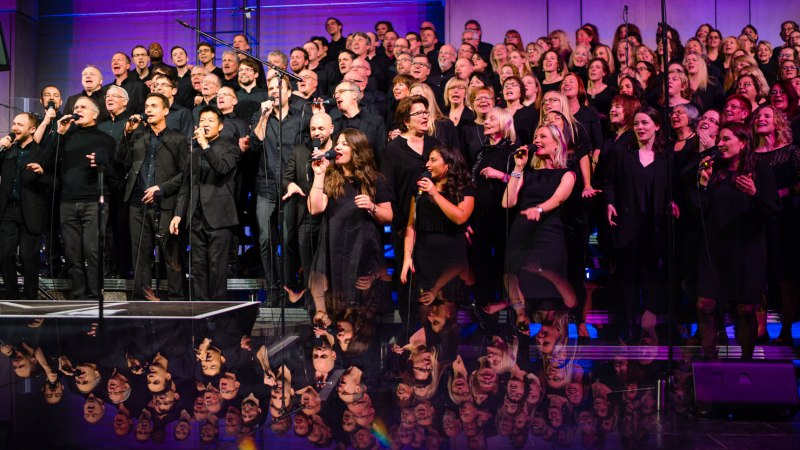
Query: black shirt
{"x": 78, "y": 179}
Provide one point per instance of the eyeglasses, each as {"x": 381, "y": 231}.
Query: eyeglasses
{"x": 710, "y": 120}
{"x": 246, "y": 69}
{"x": 421, "y": 64}
{"x": 642, "y": 69}
{"x": 423, "y": 113}
{"x": 512, "y": 85}
{"x": 202, "y": 50}
{"x": 403, "y": 60}
{"x": 341, "y": 91}
{"x": 114, "y": 96}
{"x": 552, "y": 100}
{"x": 226, "y": 94}
{"x": 678, "y": 112}
{"x": 732, "y": 106}
{"x": 776, "y": 92}
{"x": 483, "y": 99}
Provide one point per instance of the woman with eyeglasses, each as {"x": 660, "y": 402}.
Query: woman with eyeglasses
{"x": 439, "y": 125}
{"x": 774, "y": 149}
{"x": 713, "y": 49}
{"x": 753, "y": 88}
{"x": 787, "y": 70}
{"x": 471, "y": 134}
{"x": 736, "y": 195}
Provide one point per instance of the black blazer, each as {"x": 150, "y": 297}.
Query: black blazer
{"x": 214, "y": 192}
{"x": 33, "y": 187}
{"x": 171, "y": 158}
{"x": 622, "y": 188}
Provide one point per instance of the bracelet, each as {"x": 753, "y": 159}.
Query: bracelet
{"x": 321, "y": 189}
{"x": 516, "y": 174}
{"x": 505, "y": 178}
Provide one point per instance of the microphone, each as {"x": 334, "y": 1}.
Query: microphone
{"x": 706, "y": 163}
{"x": 50, "y": 104}
{"x": 329, "y": 155}
{"x": 183, "y": 23}
{"x": 12, "y": 136}
{"x": 625, "y": 9}
{"x": 75, "y": 116}
{"x": 425, "y": 174}
{"x": 327, "y": 101}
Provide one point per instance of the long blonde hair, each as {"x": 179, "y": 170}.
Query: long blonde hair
{"x": 560, "y": 157}
{"x": 506, "y": 120}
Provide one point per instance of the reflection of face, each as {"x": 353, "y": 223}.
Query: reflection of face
{"x": 93, "y": 409}
{"x": 403, "y": 392}
{"x": 182, "y": 430}
{"x": 546, "y": 339}
{"x": 451, "y": 424}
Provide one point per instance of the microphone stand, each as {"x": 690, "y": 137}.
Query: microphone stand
{"x": 101, "y": 237}
{"x": 282, "y": 73}
{"x": 627, "y": 44}
{"x": 669, "y": 144}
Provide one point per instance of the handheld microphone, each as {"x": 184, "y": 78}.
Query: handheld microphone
{"x": 326, "y": 101}
{"x": 50, "y": 104}
{"x": 75, "y": 116}
{"x": 521, "y": 153}
{"x": 706, "y": 163}
{"x": 329, "y": 155}
{"x": 13, "y": 137}
{"x": 425, "y": 174}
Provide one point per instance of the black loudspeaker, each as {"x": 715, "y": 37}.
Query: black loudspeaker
{"x": 745, "y": 389}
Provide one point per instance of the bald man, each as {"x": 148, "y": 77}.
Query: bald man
{"x": 92, "y": 82}
{"x": 301, "y": 228}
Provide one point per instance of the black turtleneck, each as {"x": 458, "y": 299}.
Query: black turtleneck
{"x": 78, "y": 178}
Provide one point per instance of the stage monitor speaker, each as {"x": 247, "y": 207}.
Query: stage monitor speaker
{"x": 745, "y": 389}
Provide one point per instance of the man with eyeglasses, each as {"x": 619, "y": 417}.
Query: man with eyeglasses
{"x": 120, "y": 66}
{"x": 249, "y": 94}
{"x": 445, "y": 67}
{"x": 421, "y": 71}
{"x": 205, "y": 58}
{"x": 240, "y": 42}
{"x": 373, "y": 101}
{"x": 156, "y": 156}
{"x": 179, "y": 118}
{"x": 208, "y": 90}
{"x": 116, "y": 101}
{"x": 484, "y": 48}
{"x": 307, "y": 90}
{"x": 348, "y": 114}
{"x": 141, "y": 61}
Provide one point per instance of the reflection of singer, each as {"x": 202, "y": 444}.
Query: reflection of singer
{"x": 355, "y": 200}
{"x": 25, "y": 176}
{"x": 206, "y": 204}
{"x": 156, "y": 156}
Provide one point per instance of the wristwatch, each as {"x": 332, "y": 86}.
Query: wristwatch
{"x": 541, "y": 211}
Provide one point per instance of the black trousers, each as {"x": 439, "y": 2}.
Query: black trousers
{"x": 210, "y": 256}
{"x": 79, "y": 232}
{"x": 143, "y": 237}
{"x": 300, "y": 235}
{"x": 15, "y": 235}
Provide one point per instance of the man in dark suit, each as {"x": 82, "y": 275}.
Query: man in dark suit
{"x": 206, "y": 201}
{"x": 156, "y": 156}
{"x": 25, "y": 174}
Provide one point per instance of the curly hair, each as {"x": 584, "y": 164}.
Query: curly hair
{"x": 782, "y": 132}
{"x": 458, "y": 177}
{"x": 629, "y": 106}
{"x": 362, "y": 166}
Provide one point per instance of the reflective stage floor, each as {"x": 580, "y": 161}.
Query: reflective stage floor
{"x": 242, "y": 375}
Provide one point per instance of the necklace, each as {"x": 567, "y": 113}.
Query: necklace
{"x": 687, "y": 137}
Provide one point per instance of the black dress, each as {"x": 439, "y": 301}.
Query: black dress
{"x": 440, "y": 243}
{"x": 525, "y": 121}
{"x": 540, "y": 243}
{"x": 735, "y": 266}
{"x": 783, "y": 242}
{"x": 350, "y": 241}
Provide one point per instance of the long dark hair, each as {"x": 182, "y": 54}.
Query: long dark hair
{"x": 362, "y": 162}
{"x": 458, "y": 178}
{"x": 747, "y": 159}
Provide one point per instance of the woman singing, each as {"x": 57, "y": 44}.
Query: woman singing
{"x": 355, "y": 199}
{"x": 735, "y": 197}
